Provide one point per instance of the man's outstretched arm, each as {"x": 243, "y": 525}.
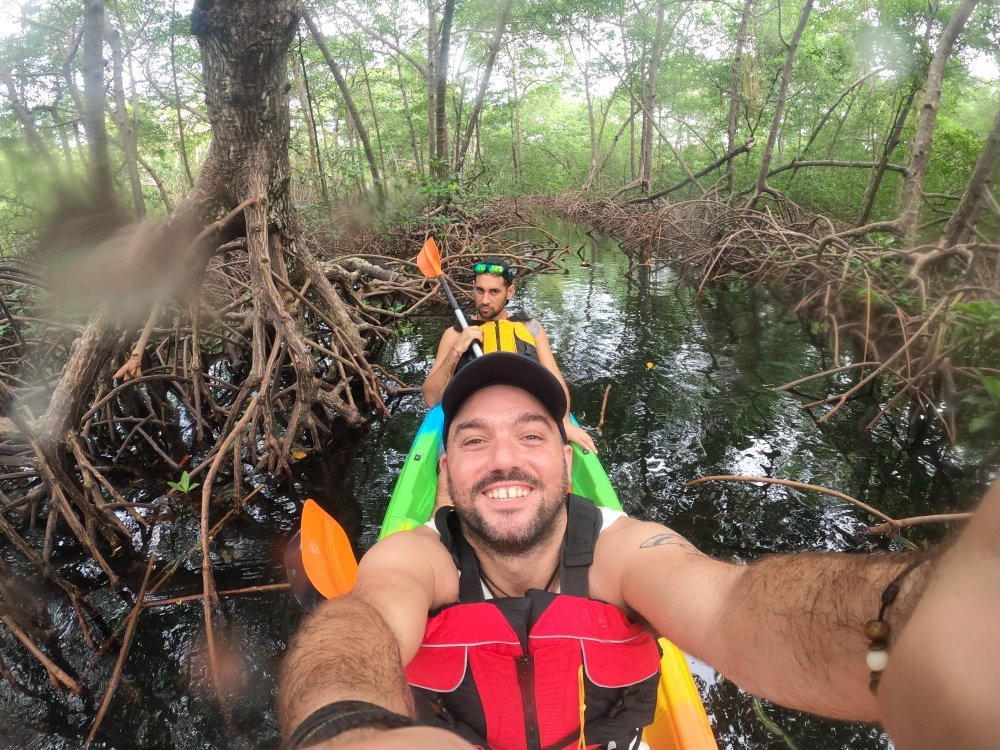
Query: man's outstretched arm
{"x": 786, "y": 627}
{"x": 343, "y": 651}
{"x": 346, "y": 651}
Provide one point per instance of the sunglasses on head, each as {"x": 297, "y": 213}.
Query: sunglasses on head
{"x": 496, "y": 269}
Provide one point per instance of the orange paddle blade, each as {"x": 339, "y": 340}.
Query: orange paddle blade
{"x": 326, "y": 552}
{"x": 429, "y": 259}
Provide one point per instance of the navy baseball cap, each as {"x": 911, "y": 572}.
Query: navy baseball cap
{"x": 505, "y": 368}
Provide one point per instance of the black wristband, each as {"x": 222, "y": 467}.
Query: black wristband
{"x": 336, "y": 718}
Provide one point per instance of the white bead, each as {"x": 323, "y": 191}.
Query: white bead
{"x": 877, "y": 660}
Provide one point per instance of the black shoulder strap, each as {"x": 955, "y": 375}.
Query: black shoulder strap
{"x": 583, "y": 526}
{"x": 444, "y": 529}
{"x": 470, "y": 587}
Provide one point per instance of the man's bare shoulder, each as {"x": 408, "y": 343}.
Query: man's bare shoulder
{"x": 403, "y": 546}
{"x": 448, "y": 337}
{"x": 627, "y": 534}
{"x": 413, "y": 557}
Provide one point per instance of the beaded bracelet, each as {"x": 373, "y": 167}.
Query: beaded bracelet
{"x": 877, "y": 631}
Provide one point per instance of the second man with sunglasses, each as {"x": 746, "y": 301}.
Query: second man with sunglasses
{"x": 496, "y": 330}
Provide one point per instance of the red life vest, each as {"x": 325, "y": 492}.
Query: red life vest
{"x": 505, "y": 673}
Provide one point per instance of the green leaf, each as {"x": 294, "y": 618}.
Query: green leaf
{"x": 983, "y": 421}
{"x": 185, "y": 485}
{"x": 992, "y": 386}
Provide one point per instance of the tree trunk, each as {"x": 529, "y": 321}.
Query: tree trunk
{"x": 160, "y": 187}
{"x": 517, "y": 141}
{"x": 734, "y": 89}
{"x": 595, "y": 145}
{"x": 432, "y": 54}
{"x": 963, "y": 222}
{"x": 442, "y": 168}
{"x": 352, "y": 109}
{"x": 779, "y": 105}
{"x": 895, "y": 133}
{"x": 305, "y": 103}
{"x": 835, "y": 139}
{"x": 177, "y": 97}
{"x": 124, "y": 123}
{"x": 94, "y": 104}
{"x": 417, "y": 157}
{"x": 921, "y": 152}
{"x": 458, "y": 102}
{"x": 374, "y": 111}
{"x": 895, "y": 136}
{"x": 67, "y": 52}
{"x": 648, "y": 102}
{"x": 27, "y": 121}
{"x": 597, "y": 169}
{"x": 484, "y": 83}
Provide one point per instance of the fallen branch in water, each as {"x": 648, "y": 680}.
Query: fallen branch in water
{"x": 798, "y": 485}
{"x": 893, "y": 527}
{"x": 55, "y": 673}
{"x": 604, "y": 408}
{"x": 229, "y": 592}
{"x": 817, "y": 375}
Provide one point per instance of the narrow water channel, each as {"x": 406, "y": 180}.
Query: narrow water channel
{"x": 692, "y": 394}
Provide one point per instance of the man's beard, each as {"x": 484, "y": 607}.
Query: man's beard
{"x": 494, "y": 313}
{"x": 505, "y": 543}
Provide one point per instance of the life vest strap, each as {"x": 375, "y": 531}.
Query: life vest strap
{"x": 583, "y": 526}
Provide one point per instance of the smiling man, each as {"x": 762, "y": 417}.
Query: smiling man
{"x": 496, "y": 329}
{"x": 524, "y": 617}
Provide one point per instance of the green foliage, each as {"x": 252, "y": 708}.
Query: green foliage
{"x": 974, "y": 336}
{"x": 956, "y": 149}
{"x": 185, "y": 485}
{"x": 538, "y": 133}
{"x": 974, "y": 332}
{"x": 984, "y": 405}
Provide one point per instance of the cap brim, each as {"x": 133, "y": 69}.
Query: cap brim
{"x": 504, "y": 368}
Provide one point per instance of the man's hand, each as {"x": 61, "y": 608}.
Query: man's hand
{"x": 452, "y": 346}
{"x": 579, "y": 436}
{"x": 940, "y": 688}
{"x": 465, "y": 339}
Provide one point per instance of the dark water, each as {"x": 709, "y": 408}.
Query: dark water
{"x": 707, "y": 405}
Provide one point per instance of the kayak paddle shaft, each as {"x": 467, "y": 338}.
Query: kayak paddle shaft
{"x": 476, "y": 348}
